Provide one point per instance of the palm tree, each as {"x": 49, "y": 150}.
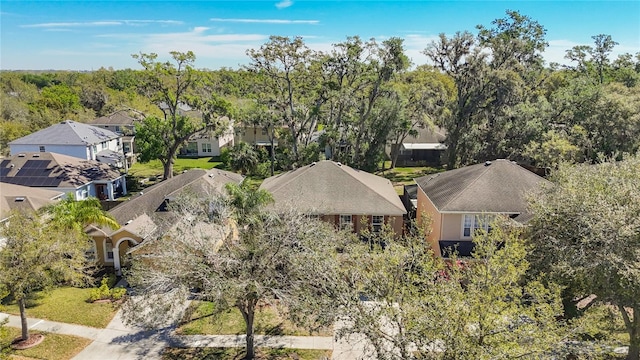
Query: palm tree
{"x": 247, "y": 202}
{"x": 76, "y": 215}
{"x": 244, "y": 158}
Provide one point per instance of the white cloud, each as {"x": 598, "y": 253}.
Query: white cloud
{"x": 284, "y": 4}
{"x": 266, "y": 21}
{"x": 414, "y": 45}
{"x": 101, "y": 23}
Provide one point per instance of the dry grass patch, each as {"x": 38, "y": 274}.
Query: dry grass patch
{"x": 268, "y": 321}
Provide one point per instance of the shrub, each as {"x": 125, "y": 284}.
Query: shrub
{"x": 104, "y": 293}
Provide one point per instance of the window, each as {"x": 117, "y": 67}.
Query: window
{"x": 42, "y": 148}
{"x": 117, "y": 128}
{"x": 377, "y": 221}
{"x": 108, "y": 249}
{"x": 206, "y": 147}
{"x": 471, "y": 223}
{"x": 346, "y": 222}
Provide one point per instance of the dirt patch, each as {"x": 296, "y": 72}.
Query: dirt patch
{"x": 30, "y": 342}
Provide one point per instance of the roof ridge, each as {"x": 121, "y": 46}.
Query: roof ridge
{"x": 303, "y": 170}
{"x": 374, "y": 176}
{"x": 468, "y": 185}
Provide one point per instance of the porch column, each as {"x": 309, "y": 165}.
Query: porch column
{"x": 116, "y": 259}
{"x": 110, "y": 191}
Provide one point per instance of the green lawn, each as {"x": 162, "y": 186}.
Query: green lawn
{"x": 154, "y": 167}
{"x": 54, "y": 346}
{"x": 267, "y": 322}
{"x": 238, "y": 353}
{"x": 404, "y": 175}
{"x": 68, "y": 305}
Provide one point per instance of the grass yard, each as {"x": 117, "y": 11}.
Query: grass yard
{"x": 54, "y": 346}
{"x": 238, "y": 353}
{"x": 267, "y": 322}
{"x": 67, "y": 305}
{"x": 154, "y": 167}
{"x": 404, "y": 175}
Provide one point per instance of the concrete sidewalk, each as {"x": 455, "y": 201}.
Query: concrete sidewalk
{"x": 121, "y": 342}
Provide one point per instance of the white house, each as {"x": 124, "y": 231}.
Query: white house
{"x": 67, "y": 174}
{"x": 73, "y": 139}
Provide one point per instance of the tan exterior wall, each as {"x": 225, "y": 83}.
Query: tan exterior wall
{"x": 451, "y": 227}
{"x": 124, "y": 246}
{"x": 426, "y": 211}
{"x": 251, "y": 135}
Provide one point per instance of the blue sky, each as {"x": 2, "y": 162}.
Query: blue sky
{"x": 86, "y": 35}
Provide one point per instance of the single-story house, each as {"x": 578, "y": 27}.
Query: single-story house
{"x": 426, "y": 148}
{"x": 14, "y": 197}
{"x": 336, "y": 193}
{"x": 458, "y": 202}
{"x": 146, "y": 216}
{"x": 63, "y": 173}
{"x": 73, "y": 139}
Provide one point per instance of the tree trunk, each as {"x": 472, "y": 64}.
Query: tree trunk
{"x": 251, "y": 352}
{"x": 634, "y": 335}
{"x": 273, "y": 150}
{"x": 632, "y": 323}
{"x": 23, "y": 319}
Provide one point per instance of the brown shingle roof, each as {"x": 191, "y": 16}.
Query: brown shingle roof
{"x": 23, "y": 197}
{"x": 498, "y": 186}
{"x": 44, "y": 169}
{"x": 328, "y": 187}
{"x": 117, "y": 118}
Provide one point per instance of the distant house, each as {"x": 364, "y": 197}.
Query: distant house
{"x": 121, "y": 122}
{"x": 426, "y": 148}
{"x": 336, "y": 193}
{"x": 145, "y": 217}
{"x": 73, "y": 139}
{"x": 63, "y": 173}
{"x": 460, "y": 201}
{"x": 13, "y": 197}
{"x": 207, "y": 143}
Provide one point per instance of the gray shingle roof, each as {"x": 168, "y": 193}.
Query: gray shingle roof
{"x": 327, "y": 187}
{"x": 151, "y": 199}
{"x": 117, "y": 118}
{"x": 67, "y": 133}
{"x": 499, "y": 186}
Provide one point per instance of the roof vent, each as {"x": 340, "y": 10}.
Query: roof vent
{"x": 21, "y": 155}
{"x": 312, "y": 164}
{"x": 211, "y": 175}
{"x": 339, "y": 163}
{"x": 19, "y": 199}
{"x": 487, "y": 163}
{"x": 36, "y": 155}
{"x": 12, "y": 165}
{"x": 128, "y": 222}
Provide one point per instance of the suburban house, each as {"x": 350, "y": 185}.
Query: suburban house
{"x": 63, "y": 173}
{"x": 73, "y": 139}
{"x": 336, "y": 193}
{"x": 424, "y": 149}
{"x": 256, "y": 135}
{"x": 145, "y": 217}
{"x": 460, "y": 201}
{"x": 14, "y": 197}
{"x": 122, "y": 122}
{"x": 208, "y": 143}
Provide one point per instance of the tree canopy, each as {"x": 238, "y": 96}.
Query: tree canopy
{"x": 586, "y": 233}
